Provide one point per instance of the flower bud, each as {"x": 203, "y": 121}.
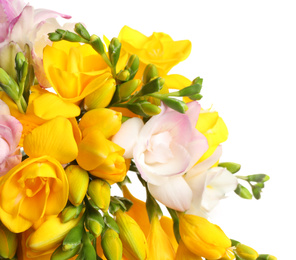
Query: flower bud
{"x": 230, "y": 166}
{"x": 198, "y": 234}
{"x": 114, "y": 51}
{"x": 97, "y": 44}
{"x": 246, "y": 252}
{"x": 9, "y": 85}
{"x": 266, "y": 257}
{"x": 127, "y": 88}
{"x": 183, "y": 253}
{"x": 78, "y": 183}
{"x": 8, "y": 244}
{"x": 243, "y": 192}
{"x": 150, "y": 73}
{"x": 229, "y": 255}
{"x": 99, "y": 191}
{"x": 175, "y": 104}
{"x": 73, "y": 238}
{"x": 150, "y": 109}
{"x": 123, "y": 75}
{"x": 55, "y": 37}
{"x": 101, "y": 97}
{"x": 71, "y": 212}
{"x": 94, "y": 222}
{"x": 81, "y": 30}
{"x": 111, "y": 244}
{"x": 191, "y": 90}
{"x": 152, "y": 86}
{"x": 133, "y": 65}
{"x": 70, "y": 36}
{"x": 132, "y": 237}
{"x": 60, "y": 254}
{"x": 258, "y": 177}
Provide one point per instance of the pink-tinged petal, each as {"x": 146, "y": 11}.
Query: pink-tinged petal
{"x": 4, "y": 150}
{"x": 10, "y": 162}
{"x": 175, "y": 193}
{"x": 11, "y": 130}
{"x": 4, "y": 109}
{"x": 206, "y": 164}
{"x": 193, "y": 112}
{"x": 43, "y": 14}
{"x": 127, "y": 136}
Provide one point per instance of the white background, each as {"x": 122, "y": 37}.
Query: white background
{"x": 246, "y": 53}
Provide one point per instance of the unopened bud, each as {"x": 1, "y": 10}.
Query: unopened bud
{"x": 150, "y": 73}
{"x": 230, "y": 166}
{"x": 97, "y": 44}
{"x": 114, "y": 51}
{"x": 70, "y": 36}
{"x": 258, "y": 177}
{"x": 99, "y": 191}
{"x": 111, "y": 245}
{"x": 266, "y": 257}
{"x": 197, "y": 80}
{"x": 71, "y": 212}
{"x": 256, "y": 189}
{"x": 150, "y": 109}
{"x": 246, "y": 252}
{"x": 9, "y": 85}
{"x": 81, "y": 30}
{"x": 54, "y": 37}
{"x": 152, "y": 86}
{"x": 243, "y": 192}
{"x": 73, "y": 238}
{"x": 19, "y": 60}
{"x": 60, "y": 254}
{"x": 133, "y": 65}
{"x": 8, "y": 242}
{"x": 229, "y": 255}
{"x": 94, "y": 222}
{"x": 175, "y": 104}
{"x": 78, "y": 183}
{"x": 191, "y": 90}
{"x": 123, "y": 75}
{"x": 127, "y": 88}
{"x": 196, "y": 97}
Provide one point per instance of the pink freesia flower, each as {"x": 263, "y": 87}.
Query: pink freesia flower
{"x": 10, "y": 134}
{"x": 164, "y": 149}
{"x": 19, "y": 25}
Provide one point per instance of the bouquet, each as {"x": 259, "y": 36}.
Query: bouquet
{"x": 80, "y": 115}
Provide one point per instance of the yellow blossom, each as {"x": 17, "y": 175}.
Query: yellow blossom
{"x": 99, "y": 191}
{"x": 132, "y": 237}
{"x": 183, "y": 253}
{"x": 159, "y": 49}
{"x": 74, "y": 70}
{"x": 202, "y": 237}
{"x": 159, "y": 245}
{"x": 36, "y": 183}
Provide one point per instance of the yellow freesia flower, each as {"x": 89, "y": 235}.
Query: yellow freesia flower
{"x": 212, "y": 126}
{"x": 167, "y": 226}
{"x": 43, "y": 106}
{"x": 36, "y": 183}
{"x": 74, "y": 70}
{"x": 183, "y": 253}
{"x": 159, "y": 49}
{"x": 159, "y": 245}
{"x": 202, "y": 237}
{"x": 96, "y": 153}
{"x": 132, "y": 237}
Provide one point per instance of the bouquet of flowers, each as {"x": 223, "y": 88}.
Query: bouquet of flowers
{"x": 78, "y": 116}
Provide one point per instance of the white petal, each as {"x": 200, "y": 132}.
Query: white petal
{"x": 175, "y": 193}
{"x": 127, "y": 136}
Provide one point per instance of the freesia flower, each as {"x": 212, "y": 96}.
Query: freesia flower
{"x": 38, "y": 183}
{"x": 10, "y": 134}
{"x": 74, "y": 70}
{"x": 164, "y": 149}
{"x": 159, "y": 49}
{"x": 202, "y": 237}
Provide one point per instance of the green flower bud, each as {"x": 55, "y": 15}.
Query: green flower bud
{"x": 150, "y": 73}
{"x": 111, "y": 244}
{"x": 88, "y": 251}
{"x": 123, "y": 75}
{"x": 19, "y": 60}
{"x": 196, "y": 97}
{"x": 94, "y": 222}
{"x": 70, "y": 36}
{"x": 133, "y": 65}
{"x": 153, "y": 86}
{"x": 191, "y": 90}
{"x": 8, "y": 244}
{"x": 246, "y": 252}
{"x": 256, "y": 189}
{"x": 258, "y": 177}
{"x": 97, "y": 44}
{"x": 73, "y": 238}
{"x": 232, "y": 167}
{"x": 234, "y": 242}
{"x": 9, "y": 85}
{"x": 99, "y": 191}
{"x": 81, "y": 30}
{"x": 114, "y": 51}
{"x": 243, "y": 192}
{"x": 55, "y": 37}
{"x": 127, "y": 88}
{"x": 197, "y": 80}
{"x": 60, "y": 254}
{"x": 71, "y": 212}
{"x": 150, "y": 109}
{"x": 175, "y": 104}
{"x": 266, "y": 257}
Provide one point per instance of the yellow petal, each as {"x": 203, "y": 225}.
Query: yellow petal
{"x": 54, "y": 138}
{"x": 167, "y": 225}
